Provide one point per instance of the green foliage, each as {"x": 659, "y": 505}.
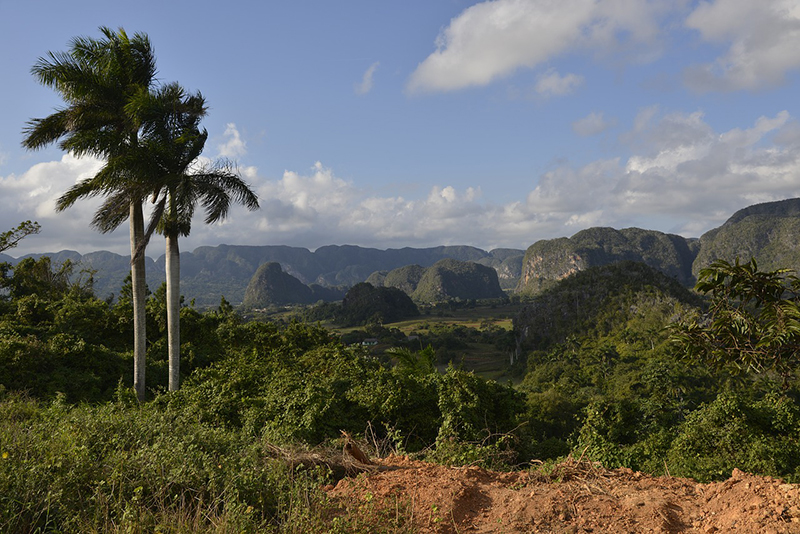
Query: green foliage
{"x": 471, "y": 406}
{"x": 131, "y": 468}
{"x": 420, "y": 362}
{"x": 733, "y": 431}
{"x": 268, "y": 391}
{"x": 494, "y": 452}
{"x": 601, "y": 300}
{"x": 753, "y": 320}
{"x": 602, "y": 380}
{"x": 364, "y": 303}
{"x": 405, "y": 403}
{"x": 606, "y": 382}
{"x": 55, "y": 336}
{"x": 38, "y": 277}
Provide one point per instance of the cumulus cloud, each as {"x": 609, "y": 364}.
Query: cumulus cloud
{"x": 493, "y": 39}
{"x": 762, "y": 37}
{"x": 682, "y": 176}
{"x": 234, "y": 146}
{"x": 33, "y": 194}
{"x": 319, "y": 208}
{"x": 366, "y": 81}
{"x": 703, "y": 176}
{"x": 592, "y": 124}
{"x": 552, "y": 83}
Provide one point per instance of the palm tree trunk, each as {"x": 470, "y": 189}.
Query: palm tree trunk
{"x": 174, "y": 311}
{"x": 139, "y": 290}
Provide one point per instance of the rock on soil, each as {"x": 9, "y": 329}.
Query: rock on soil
{"x": 575, "y": 497}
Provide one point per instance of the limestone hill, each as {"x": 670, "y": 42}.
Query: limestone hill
{"x": 270, "y": 286}
{"x": 548, "y": 261}
{"x": 446, "y": 280}
{"x": 767, "y": 232}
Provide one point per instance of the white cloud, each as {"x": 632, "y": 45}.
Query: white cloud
{"x": 552, "y": 83}
{"x": 234, "y": 146}
{"x": 493, "y": 39}
{"x": 592, "y": 124}
{"x": 682, "y": 177}
{"x": 763, "y": 38}
{"x": 33, "y": 194}
{"x": 366, "y": 82}
{"x": 700, "y": 175}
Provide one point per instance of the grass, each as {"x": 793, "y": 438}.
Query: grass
{"x": 476, "y": 317}
{"x": 119, "y": 467}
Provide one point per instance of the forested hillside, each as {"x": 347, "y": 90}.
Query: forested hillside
{"x": 548, "y": 261}
{"x": 767, "y": 232}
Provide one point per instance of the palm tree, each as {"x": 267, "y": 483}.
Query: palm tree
{"x": 172, "y": 143}
{"x": 99, "y": 79}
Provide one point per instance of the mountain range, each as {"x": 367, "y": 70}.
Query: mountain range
{"x": 209, "y": 273}
{"x": 768, "y": 232}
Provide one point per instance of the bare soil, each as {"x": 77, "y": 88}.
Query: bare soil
{"x": 575, "y": 496}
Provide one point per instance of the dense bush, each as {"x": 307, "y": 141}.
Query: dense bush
{"x": 758, "y": 436}
{"x": 288, "y": 392}
{"x": 119, "y": 466}
{"x": 614, "y": 385}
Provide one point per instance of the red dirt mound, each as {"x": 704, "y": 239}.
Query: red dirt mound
{"x": 575, "y": 497}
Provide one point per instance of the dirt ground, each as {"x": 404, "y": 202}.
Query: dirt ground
{"x": 575, "y": 497}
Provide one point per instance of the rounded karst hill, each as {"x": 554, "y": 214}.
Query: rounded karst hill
{"x": 270, "y": 286}
{"x": 767, "y": 232}
{"x": 450, "y": 279}
{"x": 405, "y": 278}
{"x": 549, "y": 260}
{"x": 364, "y": 302}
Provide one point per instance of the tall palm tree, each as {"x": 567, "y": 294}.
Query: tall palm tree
{"x": 172, "y": 143}
{"x": 99, "y": 79}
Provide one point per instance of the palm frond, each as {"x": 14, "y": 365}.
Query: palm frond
{"x": 42, "y": 132}
{"x": 112, "y": 213}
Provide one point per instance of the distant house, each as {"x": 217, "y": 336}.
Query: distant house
{"x": 370, "y": 342}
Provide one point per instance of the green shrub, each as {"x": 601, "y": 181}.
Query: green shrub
{"x": 758, "y": 436}
{"x": 128, "y": 468}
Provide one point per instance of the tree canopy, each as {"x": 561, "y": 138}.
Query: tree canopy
{"x": 753, "y": 321}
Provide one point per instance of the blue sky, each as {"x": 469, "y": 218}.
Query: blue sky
{"x": 428, "y": 122}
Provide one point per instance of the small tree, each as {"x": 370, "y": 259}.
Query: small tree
{"x": 753, "y": 321}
